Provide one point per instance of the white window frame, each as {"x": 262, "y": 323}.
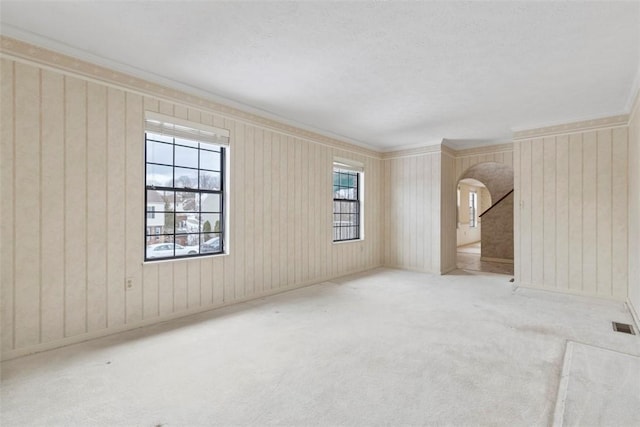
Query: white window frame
{"x": 179, "y": 128}
{"x": 353, "y": 166}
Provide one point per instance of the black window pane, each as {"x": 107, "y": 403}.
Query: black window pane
{"x": 158, "y": 152}
{"x": 210, "y": 180}
{"x": 210, "y": 202}
{"x": 187, "y": 201}
{"x": 159, "y": 176}
{"x": 159, "y": 247}
{"x": 160, "y": 200}
{"x": 187, "y": 157}
{"x": 186, "y": 178}
{"x": 209, "y": 160}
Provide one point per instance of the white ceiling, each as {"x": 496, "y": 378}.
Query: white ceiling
{"x": 383, "y": 74}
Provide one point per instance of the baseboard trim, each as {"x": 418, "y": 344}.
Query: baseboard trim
{"x": 416, "y": 269}
{"x": 570, "y": 292}
{"x": 65, "y": 342}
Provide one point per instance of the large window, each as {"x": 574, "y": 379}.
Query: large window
{"x": 185, "y": 194}
{"x": 347, "y": 191}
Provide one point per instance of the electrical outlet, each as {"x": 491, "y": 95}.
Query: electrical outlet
{"x": 128, "y": 284}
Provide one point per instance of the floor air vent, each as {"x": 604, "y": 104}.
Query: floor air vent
{"x": 623, "y": 327}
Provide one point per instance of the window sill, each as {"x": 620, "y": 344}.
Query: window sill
{"x": 159, "y": 261}
{"x": 341, "y": 242}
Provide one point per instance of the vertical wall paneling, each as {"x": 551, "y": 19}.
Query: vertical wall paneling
{"x": 425, "y": 220}
{"x": 525, "y": 211}
{"x": 150, "y": 291}
{"x": 250, "y": 210}
{"x": 27, "y": 205}
{"x": 282, "y": 203}
{"x": 297, "y": 211}
{"x": 549, "y": 210}
{"x": 619, "y": 220}
{"x": 289, "y": 224}
{"x": 589, "y": 211}
{"x": 258, "y": 211}
{"x": 193, "y": 283}
{"x": 427, "y": 178}
{"x": 575, "y": 212}
{"x": 52, "y": 181}
{"x": 583, "y": 203}
{"x": 96, "y": 207}
{"x": 562, "y": 212}
{"x": 267, "y": 218}
{"x": 311, "y": 226}
{"x": 239, "y": 174}
{"x": 75, "y": 206}
{"x": 537, "y": 211}
{"x": 274, "y": 193}
{"x": 7, "y": 208}
{"x": 603, "y": 212}
{"x": 76, "y": 149}
{"x": 436, "y": 221}
{"x": 134, "y": 205}
{"x": 412, "y": 222}
{"x": 115, "y": 207}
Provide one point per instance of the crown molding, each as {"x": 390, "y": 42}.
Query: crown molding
{"x": 574, "y": 127}
{"x": 444, "y": 149}
{"x": 26, "y": 52}
{"x": 488, "y": 149}
{"x": 412, "y": 152}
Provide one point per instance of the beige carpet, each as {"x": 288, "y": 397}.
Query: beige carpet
{"x": 386, "y": 347}
{"x": 599, "y": 387}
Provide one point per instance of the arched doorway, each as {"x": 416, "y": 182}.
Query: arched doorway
{"x": 485, "y": 218}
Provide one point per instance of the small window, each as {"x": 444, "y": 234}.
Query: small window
{"x": 185, "y": 190}
{"x": 347, "y": 195}
{"x": 473, "y": 209}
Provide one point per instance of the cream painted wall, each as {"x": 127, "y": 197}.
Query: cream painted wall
{"x": 571, "y": 212}
{"x": 411, "y": 220}
{"x": 634, "y": 209}
{"x": 421, "y": 195}
{"x": 72, "y": 211}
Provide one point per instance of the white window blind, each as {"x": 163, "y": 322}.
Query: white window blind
{"x": 348, "y": 164}
{"x": 178, "y": 128}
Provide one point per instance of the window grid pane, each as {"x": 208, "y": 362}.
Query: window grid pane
{"x": 184, "y": 198}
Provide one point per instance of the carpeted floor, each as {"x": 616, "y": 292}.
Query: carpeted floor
{"x": 386, "y": 347}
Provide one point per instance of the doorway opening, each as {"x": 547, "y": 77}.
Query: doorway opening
{"x": 484, "y": 223}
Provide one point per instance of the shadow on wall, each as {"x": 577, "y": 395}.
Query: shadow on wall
{"x": 497, "y": 221}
